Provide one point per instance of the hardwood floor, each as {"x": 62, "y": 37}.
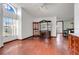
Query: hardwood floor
{"x": 36, "y": 46}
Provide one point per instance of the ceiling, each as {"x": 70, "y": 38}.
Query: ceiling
{"x": 60, "y": 10}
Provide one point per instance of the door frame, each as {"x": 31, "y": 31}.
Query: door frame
{"x": 62, "y": 27}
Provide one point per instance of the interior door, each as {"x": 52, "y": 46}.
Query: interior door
{"x": 59, "y": 27}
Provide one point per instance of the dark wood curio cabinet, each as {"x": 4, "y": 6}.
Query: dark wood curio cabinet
{"x": 42, "y": 29}
{"x": 36, "y": 31}
{"x": 45, "y": 29}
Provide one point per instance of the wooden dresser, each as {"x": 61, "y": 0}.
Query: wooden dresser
{"x": 73, "y": 40}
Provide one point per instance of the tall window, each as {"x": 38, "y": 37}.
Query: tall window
{"x": 9, "y": 22}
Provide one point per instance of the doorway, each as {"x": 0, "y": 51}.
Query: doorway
{"x": 59, "y": 28}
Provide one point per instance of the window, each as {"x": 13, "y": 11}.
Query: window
{"x": 9, "y": 21}
{"x": 9, "y": 8}
{"x": 7, "y": 26}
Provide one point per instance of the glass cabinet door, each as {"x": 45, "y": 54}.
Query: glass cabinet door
{"x": 49, "y": 26}
{"x": 44, "y": 26}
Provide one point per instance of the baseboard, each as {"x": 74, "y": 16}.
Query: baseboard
{"x": 10, "y": 41}
{"x": 18, "y": 39}
{"x": 27, "y": 37}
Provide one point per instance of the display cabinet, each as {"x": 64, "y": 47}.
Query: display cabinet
{"x": 36, "y": 29}
{"x": 45, "y": 29}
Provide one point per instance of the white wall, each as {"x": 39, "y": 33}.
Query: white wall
{"x": 68, "y": 25}
{"x": 19, "y": 25}
{"x": 26, "y": 24}
{"x": 76, "y": 18}
{"x": 53, "y": 19}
